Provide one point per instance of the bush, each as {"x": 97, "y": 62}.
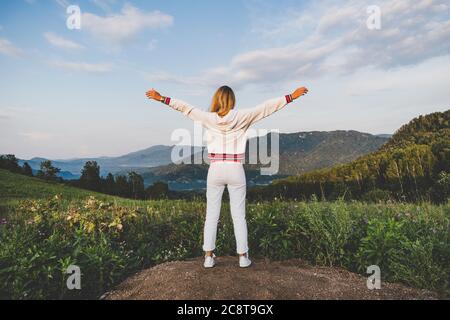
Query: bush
{"x": 377, "y": 195}
{"x": 40, "y": 239}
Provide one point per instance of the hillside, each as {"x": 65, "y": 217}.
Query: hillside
{"x": 307, "y": 151}
{"x": 423, "y": 130}
{"x": 16, "y": 187}
{"x": 413, "y": 165}
{"x": 193, "y": 176}
{"x": 300, "y": 152}
{"x": 287, "y": 280}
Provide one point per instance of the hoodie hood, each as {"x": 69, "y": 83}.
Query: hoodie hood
{"x": 227, "y": 122}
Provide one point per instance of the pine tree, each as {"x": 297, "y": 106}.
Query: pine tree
{"x": 90, "y": 176}
{"x": 26, "y": 169}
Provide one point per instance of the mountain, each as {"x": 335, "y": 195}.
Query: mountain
{"x": 413, "y": 165}
{"x": 300, "y": 152}
{"x": 385, "y": 135}
{"x": 306, "y": 151}
{"x": 193, "y": 176}
{"x": 150, "y": 157}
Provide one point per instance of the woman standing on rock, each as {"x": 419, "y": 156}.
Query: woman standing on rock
{"x": 226, "y": 130}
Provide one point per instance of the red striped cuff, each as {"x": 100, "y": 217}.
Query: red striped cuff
{"x": 166, "y": 100}
{"x": 289, "y": 98}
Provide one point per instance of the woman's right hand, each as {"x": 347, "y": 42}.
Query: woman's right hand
{"x": 299, "y": 92}
{"x": 153, "y": 94}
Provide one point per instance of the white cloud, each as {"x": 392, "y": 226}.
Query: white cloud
{"x": 37, "y": 136}
{"x": 81, "y": 66}
{"x": 166, "y": 77}
{"x": 328, "y": 38}
{"x": 8, "y": 112}
{"x": 428, "y": 76}
{"x": 61, "y": 42}
{"x": 119, "y": 28}
{"x": 63, "y": 3}
{"x": 105, "y": 5}
{"x": 7, "y": 48}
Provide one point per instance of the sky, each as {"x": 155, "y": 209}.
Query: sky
{"x": 67, "y": 93}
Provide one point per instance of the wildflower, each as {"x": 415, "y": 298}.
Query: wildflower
{"x": 3, "y": 221}
{"x": 37, "y": 218}
{"x": 117, "y": 223}
{"x": 91, "y": 203}
{"x": 89, "y": 227}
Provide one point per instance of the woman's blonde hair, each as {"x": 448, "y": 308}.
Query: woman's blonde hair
{"x": 223, "y": 101}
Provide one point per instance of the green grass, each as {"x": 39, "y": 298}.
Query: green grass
{"x": 109, "y": 238}
{"x": 15, "y": 188}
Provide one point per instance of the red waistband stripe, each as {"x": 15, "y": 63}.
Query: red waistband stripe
{"x": 226, "y": 157}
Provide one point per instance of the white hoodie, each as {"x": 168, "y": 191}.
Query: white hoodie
{"x": 228, "y": 134}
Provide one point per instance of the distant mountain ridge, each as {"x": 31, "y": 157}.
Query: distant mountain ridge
{"x": 300, "y": 152}
{"x": 149, "y": 157}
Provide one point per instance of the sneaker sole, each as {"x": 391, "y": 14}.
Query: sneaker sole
{"x": 246, "y": 265}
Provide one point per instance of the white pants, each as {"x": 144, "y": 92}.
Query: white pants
{"x": 220, "y": 174}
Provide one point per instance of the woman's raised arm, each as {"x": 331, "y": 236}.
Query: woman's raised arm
{"x": 187, "y": 109}
{"x": 265, "y": 109}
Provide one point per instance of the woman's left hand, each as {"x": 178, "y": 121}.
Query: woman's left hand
{"x": 299, "y": 92}
{"x": 153, "y": 94}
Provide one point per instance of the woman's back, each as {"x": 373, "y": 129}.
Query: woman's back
{"x": 228, "y": 134}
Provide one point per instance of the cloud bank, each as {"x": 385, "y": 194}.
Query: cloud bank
{"x": 332, "y": 38}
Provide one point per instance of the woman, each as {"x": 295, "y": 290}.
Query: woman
{"x": 226, "y": 140}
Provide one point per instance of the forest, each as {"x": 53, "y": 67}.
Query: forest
{"x": 414, "y": 165}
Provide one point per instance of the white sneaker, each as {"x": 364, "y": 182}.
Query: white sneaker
{"x": 209, "y": 261}
{"x": 244, "y": 261}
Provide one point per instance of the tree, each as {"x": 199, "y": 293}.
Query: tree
{"x": 136, "y": 185}
{"x": 109, "y": 184}
{"x": 10, "y": 162}
{"x": 412, "y": 166}
{"x": 26, "y": 169}
{"x": 48, "y": 171}
{"x": 90, "y": 176}
{"x": 158, "y": 190}
{"x": 122, "y": 188}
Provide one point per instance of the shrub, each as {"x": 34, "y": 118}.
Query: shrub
{"x": 377, "y": 195}
{"x": 41, "y": 238}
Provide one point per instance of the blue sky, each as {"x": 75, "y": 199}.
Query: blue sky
{"x": 77, "y": 93}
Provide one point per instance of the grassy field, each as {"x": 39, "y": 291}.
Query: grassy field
{"x": 15, "y": 188}
{"x": 50, "y": 226}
